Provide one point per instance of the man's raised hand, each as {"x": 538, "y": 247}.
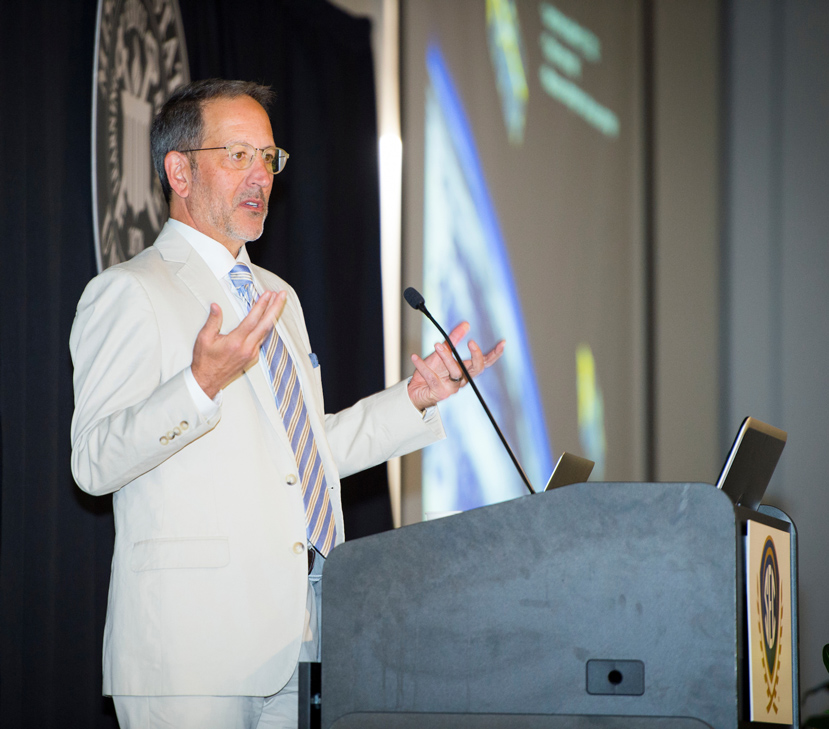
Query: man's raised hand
{"x": 218, "y": 359}
{"x": 439, "y": 375}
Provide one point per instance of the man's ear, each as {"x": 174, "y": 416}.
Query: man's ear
{"x": 179, "y": 173}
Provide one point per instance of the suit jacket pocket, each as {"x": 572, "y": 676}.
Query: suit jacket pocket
{"x": 185, "y": 553}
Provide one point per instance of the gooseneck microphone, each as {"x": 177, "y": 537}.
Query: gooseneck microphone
{"x": 415, "y": 299}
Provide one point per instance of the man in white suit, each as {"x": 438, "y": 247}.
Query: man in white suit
{"x": 210, "y": 602}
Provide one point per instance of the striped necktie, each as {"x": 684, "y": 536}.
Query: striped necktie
{"x": 319, "y": 515}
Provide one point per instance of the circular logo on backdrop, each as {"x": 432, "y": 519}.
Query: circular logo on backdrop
{"x": 140, "y": 59}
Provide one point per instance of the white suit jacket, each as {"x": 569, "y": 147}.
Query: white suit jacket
{"x": 209, "y": 572}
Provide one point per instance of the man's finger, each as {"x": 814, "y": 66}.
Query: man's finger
{"x": 427, "y": 373}
{"x": 269, "y": 307}
{"x": 459, "y": 332}
{"x": 449, "y": 361}
{"x": 254, "y": 316}
{"x": 213, "y": 325}
{"x": 491, "y": 357}
{"x": 268, "y": 318}
{"x": 477, "y": 358}
{"x": 276, "y": 307}
{"x": 264, "y": 313}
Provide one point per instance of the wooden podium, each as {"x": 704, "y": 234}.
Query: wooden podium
{"x": 595, "y": 605}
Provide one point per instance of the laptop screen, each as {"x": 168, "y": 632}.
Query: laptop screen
{"x": 751, "y": 462}
{"x": 570, "y": 469}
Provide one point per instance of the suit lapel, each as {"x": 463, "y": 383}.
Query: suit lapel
{"x": 196, "y": 275}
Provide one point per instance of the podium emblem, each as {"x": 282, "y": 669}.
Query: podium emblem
{"x": 770, "y": 627}
{"x": 770, "y": 611}
{"x": 770, "y": 605}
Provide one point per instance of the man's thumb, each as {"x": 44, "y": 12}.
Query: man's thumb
{"x": 213, "y": 325}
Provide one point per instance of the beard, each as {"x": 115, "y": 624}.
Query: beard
{"x": 231, "y": 221}
{"x": 237, "y": 223}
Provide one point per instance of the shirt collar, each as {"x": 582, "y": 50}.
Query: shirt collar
{"x": 215, "y": 255}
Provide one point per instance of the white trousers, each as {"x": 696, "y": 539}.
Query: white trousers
{"x": 279, "y": 711}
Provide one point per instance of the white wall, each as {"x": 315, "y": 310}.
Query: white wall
{"x": 686, "y": 240}
{"x": 776, "y": 273}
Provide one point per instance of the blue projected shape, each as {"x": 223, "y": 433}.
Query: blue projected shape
{"x": 467, "y": 275}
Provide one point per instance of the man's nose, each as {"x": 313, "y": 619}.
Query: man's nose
{"x": 258, "y": 172}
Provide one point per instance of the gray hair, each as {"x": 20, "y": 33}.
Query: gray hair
{"x": 179, "y": 124}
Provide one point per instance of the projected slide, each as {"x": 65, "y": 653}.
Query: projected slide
{"x": 467, "y": 276}
{"x": 523, "y": 193}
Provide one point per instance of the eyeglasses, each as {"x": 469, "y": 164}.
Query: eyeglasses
{"x": 241, "y": 156}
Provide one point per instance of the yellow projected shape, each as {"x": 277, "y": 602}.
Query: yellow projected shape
{"x": 591, "y": 410}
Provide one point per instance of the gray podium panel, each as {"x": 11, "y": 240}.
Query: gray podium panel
{"x": 511, "y": 721}
{"x": 579, "y": 605}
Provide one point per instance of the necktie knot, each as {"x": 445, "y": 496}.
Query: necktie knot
{"x": 242, "y": 280}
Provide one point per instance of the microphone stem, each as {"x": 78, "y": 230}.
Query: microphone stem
{"x": 469, "y": 379}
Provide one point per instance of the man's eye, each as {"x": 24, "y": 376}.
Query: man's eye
{"x": 239, "y": 156}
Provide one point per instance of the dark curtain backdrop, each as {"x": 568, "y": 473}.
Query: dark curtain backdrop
{"x": 323, "y": 230}
{"x": 322, "y": 236}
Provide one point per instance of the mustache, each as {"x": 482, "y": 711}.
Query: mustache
{"x": 255, "y": 194}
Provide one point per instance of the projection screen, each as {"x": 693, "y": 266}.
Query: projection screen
{"x": 522, "y": 126}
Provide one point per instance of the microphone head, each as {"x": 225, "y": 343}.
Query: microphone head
{"x": 413, "y": 298}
